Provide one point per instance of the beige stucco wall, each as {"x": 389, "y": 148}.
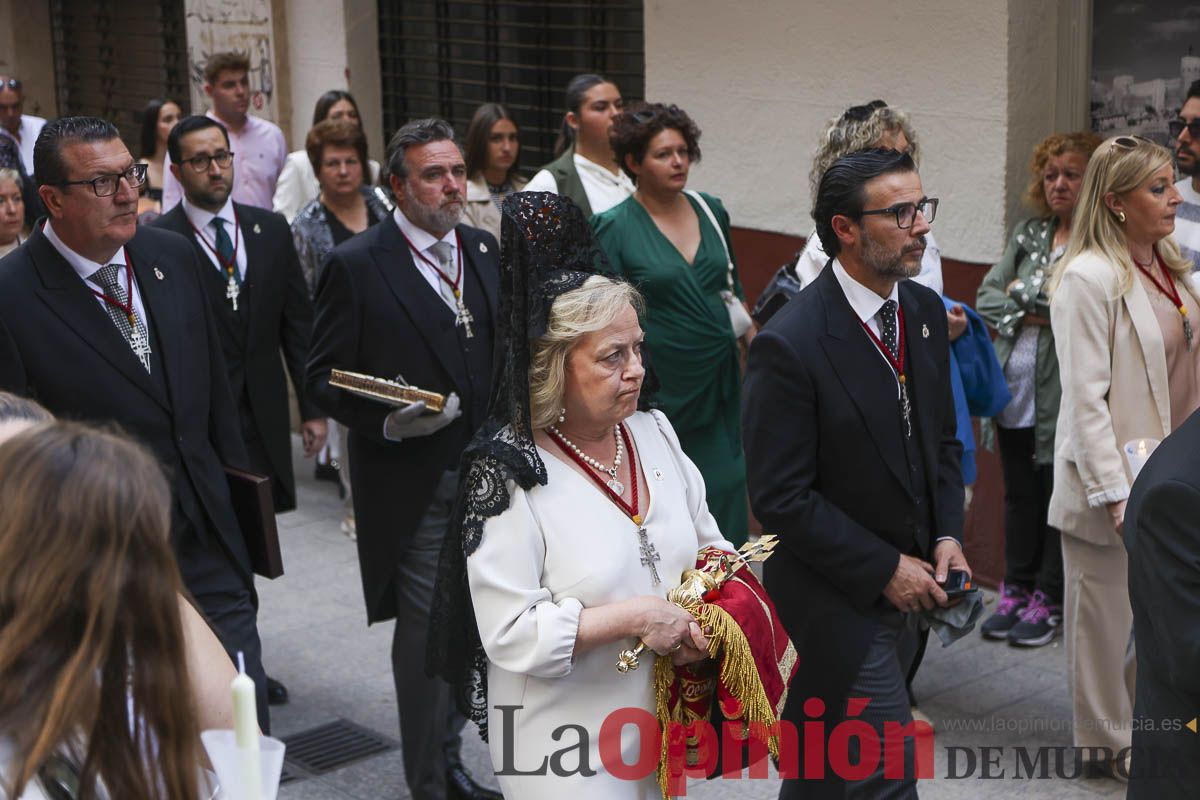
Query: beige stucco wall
{"x": 761, "y": 77}
{"x": 27, "y": 52}
{"x": 316, "y": 36}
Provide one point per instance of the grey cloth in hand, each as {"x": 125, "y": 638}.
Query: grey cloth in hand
{"x": 955, "y": 622}
{"x": 411, "y": 421}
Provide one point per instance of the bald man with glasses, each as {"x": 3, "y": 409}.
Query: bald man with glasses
{"x": 105, "y": 321}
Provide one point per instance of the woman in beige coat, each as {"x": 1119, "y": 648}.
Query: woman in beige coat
{"x": 1122, "y": 312}
{"x": 493, "y": 150}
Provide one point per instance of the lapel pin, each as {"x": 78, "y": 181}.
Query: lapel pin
{"x": 924, "y": 331}
{"x": 658, "y": 474}
{"x": 257, "y": 229}
{"x": 158, "y": 273}
{"x": 482, "y": 247}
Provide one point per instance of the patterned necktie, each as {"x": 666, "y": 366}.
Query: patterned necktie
{"x": 225, "y": 249}
{"x": 107, "y": 278}
{"x": 887, "y": 326}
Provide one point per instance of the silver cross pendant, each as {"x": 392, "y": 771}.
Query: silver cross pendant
{"x": 231, "y": 292}
{"x": 649, "y": 554}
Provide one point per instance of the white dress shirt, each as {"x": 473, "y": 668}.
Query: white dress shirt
{"x": 604, "y": 189}
{"x": 203, "y": 222}
{"x": 866, "y": 305}
{"x": 27, "y": 134}
{"x": 421, "y": 243}
{"x": 86, "y": 268}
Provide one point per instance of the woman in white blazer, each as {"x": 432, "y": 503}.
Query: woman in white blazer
{"x": 1122, "y": 311}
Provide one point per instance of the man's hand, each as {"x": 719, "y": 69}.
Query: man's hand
{"x": 313, "y": 434}
{"x": 912, "y": 586}
{"x": 948, "y": 555}
{"x": 411, "y": 420}
{"x": 956, "y": 318}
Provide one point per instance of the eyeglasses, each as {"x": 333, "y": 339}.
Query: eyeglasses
{"x": 906, "y": 213}
{"x": 860, "y": 113}
{"x": 201, "y": 163}
{"x": 1129, "y": 142}
{"x": 107, "y": 185}
{"x": 1176, "y": 127}
{"x": 10, "y": 83}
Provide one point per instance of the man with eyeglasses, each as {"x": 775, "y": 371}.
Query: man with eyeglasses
{"x": 258, "y": 145}
{"x": 851, "y": 458}
{"x": 106, "y": 321}
{"x": 23, "y": 128}
{"x": 1185, "y": 130}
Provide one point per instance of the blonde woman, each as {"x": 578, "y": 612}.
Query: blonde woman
{"x": 875, "y": 124}
{"x": 1122, "y": 308}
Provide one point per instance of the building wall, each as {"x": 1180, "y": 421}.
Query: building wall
{"x": 763, "y": 77}
{"x": 27, "y": 52}
{"x": 244, "y": 26}
{"x": 316, "y": 36}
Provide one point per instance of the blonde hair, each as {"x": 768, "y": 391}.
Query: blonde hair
{"x": 590, "y": 308}
{"x": 843, "y": 136}
{"x": 1117, "y": 168}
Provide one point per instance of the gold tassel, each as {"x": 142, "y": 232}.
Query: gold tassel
{"x": 739, "y": 676}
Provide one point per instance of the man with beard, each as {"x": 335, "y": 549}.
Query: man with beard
{"x": 412, "y": 299}
{"x": 1186, "y": 132}
{"x": 849, "y": 429}
{"x": 259, "y": 299}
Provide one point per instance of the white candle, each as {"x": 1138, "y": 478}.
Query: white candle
{"x": 245, "y": 732}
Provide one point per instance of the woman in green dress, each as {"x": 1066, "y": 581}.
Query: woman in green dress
{"x": 673, "y": 245}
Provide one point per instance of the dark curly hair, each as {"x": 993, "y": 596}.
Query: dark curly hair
{"x": 633, "y": 129}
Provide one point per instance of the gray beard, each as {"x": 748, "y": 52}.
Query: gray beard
{"x": 887, "y": 263}
{"x": 439, "y": 219}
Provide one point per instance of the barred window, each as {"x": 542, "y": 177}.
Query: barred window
{"x": 111, "y": 57}
{"x": 443, "y": 58}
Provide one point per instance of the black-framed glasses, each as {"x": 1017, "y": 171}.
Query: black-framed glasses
{"x": 1176, "y": 127}
{"x": 906, "y": 213}
{"x": 860, "y": 113}
{"x": 201, "y": 163}
{"x": 107, "y": 185}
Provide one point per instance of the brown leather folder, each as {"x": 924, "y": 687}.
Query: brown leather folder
{"x": 254, "y": 506}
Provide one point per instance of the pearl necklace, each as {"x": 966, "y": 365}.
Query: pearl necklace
{"x": 613, "y": 483}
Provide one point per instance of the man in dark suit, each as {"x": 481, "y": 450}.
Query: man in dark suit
{"x": 259, "y": 299}
{"x": 1162, "y": 535}
{"x": 412, "y": 298}
{"x": 852, "y": 459}
{"x": 107, "y": 322}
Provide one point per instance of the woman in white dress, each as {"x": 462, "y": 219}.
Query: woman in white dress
{"x": 578, "y": 514}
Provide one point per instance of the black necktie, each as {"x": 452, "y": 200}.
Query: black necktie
{"x": 887, "y": 326}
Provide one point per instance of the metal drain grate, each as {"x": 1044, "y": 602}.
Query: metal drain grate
{"x": 330, "y": 746}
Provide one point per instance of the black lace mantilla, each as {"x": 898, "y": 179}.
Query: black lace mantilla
{"x": 547, "y": 249}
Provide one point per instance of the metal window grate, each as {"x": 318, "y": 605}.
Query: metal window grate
{"x": 111, "y": 57}
{"x": 330, "y": 746}
{"x": 445, "y": 57}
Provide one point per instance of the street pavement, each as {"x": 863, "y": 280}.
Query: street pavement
{"x": 979, "y": 694}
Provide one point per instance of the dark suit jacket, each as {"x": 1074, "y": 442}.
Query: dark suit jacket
{"x": 376, "y": 314}
{"x": 276, "y": 316}
{"x": 1162, "y": 535}
{"x": 59, "y": 346}
{"x": 827, "y": 471}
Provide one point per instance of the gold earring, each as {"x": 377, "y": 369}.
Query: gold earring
{"x": 1121, "y": 217}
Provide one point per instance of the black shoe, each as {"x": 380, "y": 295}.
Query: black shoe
{"x": 327, "y": 472}
{"x": 461, "y": 786}
{"x": 277, "y": 694}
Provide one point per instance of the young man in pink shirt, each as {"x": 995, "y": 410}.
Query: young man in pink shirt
{"x": 259, "y": 150}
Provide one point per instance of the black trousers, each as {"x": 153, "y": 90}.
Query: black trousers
{"x": 1032, "y": 551}
{"x": 227, "y": 600}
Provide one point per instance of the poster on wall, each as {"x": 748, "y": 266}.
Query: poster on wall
{"x": 242, "y": 26}
{"x": 1145, "y": 54}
